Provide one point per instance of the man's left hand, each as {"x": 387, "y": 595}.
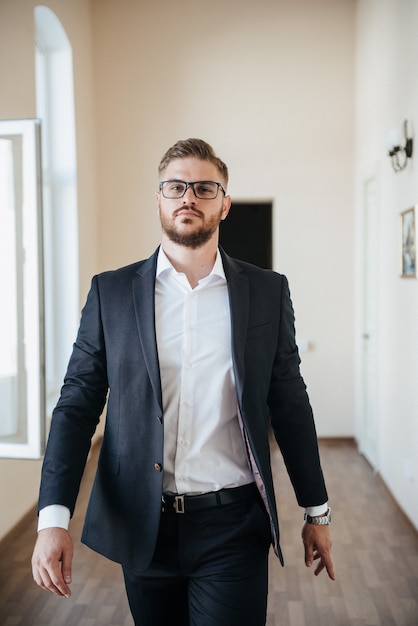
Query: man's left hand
{"x": 317, "y": 542}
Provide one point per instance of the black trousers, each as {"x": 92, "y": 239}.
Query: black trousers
{"x": 209, "y": 569}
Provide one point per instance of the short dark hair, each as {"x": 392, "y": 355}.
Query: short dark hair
{"x": 193, "y": 148}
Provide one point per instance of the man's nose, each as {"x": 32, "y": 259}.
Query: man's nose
{"x": 189, "y": 195}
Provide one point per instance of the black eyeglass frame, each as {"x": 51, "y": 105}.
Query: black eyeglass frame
{"x": 196, "y": 182}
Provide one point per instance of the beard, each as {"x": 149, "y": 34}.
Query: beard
{"x": 194, "y": 238}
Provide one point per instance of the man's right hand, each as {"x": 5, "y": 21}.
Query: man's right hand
{"x": 51, "y": 561}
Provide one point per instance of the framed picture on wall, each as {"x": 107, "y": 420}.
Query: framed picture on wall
{"x": 408, "y": 243}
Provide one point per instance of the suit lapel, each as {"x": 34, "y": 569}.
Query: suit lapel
{"x": 239, "y": 302}
{"x": 143, "y": 289}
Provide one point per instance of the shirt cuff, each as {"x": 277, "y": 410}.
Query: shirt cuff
{"x": 314, "y": 511}
{"x": 54, "y": 516}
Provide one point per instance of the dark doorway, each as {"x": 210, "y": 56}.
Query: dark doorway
{"x": 247, "y": 233}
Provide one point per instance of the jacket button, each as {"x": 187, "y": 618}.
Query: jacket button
{"x": 160, "y": 419}
{"x": 158, "y": 467}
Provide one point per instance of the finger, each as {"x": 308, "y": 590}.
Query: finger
{"x": 43, "y": 579}
{"x": 330, "y": 570}
{"x": 326, "y": 563}
{"x": 58, "y": 583}
{"x": 66, "y": 567}
{"x": 50, "y": 578}
{"x": 309, "y": 555}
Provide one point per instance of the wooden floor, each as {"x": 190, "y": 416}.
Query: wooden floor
{"x": 375, "y": 552}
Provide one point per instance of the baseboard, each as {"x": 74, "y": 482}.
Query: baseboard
{"x": 336, "y": 441}
{"x": 19, "y": 528}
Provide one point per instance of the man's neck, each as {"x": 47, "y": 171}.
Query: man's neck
{"x": 194, "y": 263}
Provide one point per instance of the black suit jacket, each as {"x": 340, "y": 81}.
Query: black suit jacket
{"x": 115, "y": 358}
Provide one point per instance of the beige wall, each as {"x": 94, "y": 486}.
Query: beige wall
{"x": 271, "y": 86}
{"x": 19, "y": 480}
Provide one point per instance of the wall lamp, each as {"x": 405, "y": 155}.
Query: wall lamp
{"x": 400, "y": 148}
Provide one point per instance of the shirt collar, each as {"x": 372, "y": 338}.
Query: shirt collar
{"x": 163, "y": 265}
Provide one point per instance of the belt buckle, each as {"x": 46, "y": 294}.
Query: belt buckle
{"x": 178, "y": 504}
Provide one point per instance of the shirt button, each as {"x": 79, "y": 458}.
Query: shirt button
{"x": 158, "y": 467}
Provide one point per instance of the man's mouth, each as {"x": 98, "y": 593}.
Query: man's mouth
{"x": 187, "y": 212}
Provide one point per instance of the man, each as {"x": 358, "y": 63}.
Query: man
{"x": 196, "y": 355}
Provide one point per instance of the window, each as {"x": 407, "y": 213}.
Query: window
{"x": 38, "y": 248}
{"x": 55, "y": 109}
{"x": 22, "y": 415}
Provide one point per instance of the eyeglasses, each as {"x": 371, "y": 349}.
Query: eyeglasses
{"x": 203, "y": 189}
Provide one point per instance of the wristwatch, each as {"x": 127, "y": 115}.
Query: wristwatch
{"x": 321, "y": 520}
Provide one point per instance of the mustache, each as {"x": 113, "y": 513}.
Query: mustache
{"x": 188, "y": 207}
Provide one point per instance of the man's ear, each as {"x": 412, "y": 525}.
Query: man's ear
{"x": 226, "y": 207}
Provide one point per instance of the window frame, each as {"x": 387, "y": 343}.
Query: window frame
{"x": 28, "y": 438}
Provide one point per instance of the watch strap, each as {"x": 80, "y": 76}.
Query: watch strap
{"x": 321, "y": 520}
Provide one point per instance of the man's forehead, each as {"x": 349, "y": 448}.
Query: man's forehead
{"x": 191, "y": 166}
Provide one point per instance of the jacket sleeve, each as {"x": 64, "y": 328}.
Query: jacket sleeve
{"x": 291, "y": 413}
{"x": 77, "y": 413}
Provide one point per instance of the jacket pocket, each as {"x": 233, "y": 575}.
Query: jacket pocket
{"x": 109, "y": 464}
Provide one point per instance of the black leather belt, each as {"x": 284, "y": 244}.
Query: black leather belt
{"x": 187, "y": 504}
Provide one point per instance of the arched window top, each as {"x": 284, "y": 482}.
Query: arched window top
{"x": 50, "y": 29}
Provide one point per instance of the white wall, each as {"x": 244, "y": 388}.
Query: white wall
{"x": 387, "y": 93}
{"x": 271, "y": 86}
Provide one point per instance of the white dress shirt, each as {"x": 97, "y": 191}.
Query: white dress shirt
{"x": 203, "y": 445}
